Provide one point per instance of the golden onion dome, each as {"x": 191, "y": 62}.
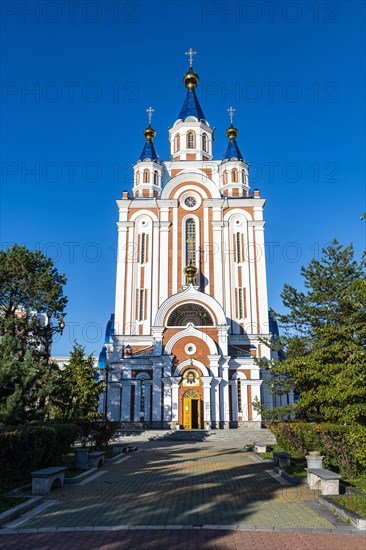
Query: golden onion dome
{"x": 149, "y": 133}
{"x": 191, "y": 79}
{"x": 190, "y": 272}
{"x": 232, "y": 132}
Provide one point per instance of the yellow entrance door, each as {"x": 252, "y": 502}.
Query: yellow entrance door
{"x": 191, "y": 410}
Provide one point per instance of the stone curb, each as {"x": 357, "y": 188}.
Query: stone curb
{"x": 241, "y": 527}
{"x": 20, "y": 509}
{"x": 356, "y": 520}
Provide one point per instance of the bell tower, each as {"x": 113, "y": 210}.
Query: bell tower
{"x": 191, "y": 136}
{"x": 148, "y": 171}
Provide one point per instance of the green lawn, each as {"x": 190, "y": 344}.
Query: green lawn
{"x": 9, "y": 502}
{"x": 356, "y": 503}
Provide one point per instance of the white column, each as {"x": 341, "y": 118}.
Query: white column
{"x": 126, "y": 400}
{"x": 148, "y": 389}
{"x": 261, "y": 277}
{"x": 217, "y": 260}
{"x": 163, "y": 264}
{"x": 224, "y": 394}
{"x": 244, "y": 399}
{"x": 206, "y": 381}
{"x": 156, "y": 389}
{"x": 234, "y": 400}
{"x": 215, "y": 401}
{"x": 120, "y": 277}
{"x": 256, "y": 393}
{"x": 175, "y": 397}
{"x": 167, "y": 411}
{"x": 155, "y": 272}
{"x": 137, "y": 407}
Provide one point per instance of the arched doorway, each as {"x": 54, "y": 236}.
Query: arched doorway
{"x": 191, "y": 410}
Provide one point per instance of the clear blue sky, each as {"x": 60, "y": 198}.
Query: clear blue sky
{"x": 294, "y": 71}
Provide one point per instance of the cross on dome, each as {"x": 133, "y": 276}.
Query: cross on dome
{"x": 231, "y": 112}
{"x": 191, "y": 53}
{"x": 150, "y": 112}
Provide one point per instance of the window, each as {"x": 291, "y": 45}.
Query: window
{"x": 141, "y": 304}
{"x": 238, "y": 248}
{"x": 190, "y": 140}
{"x": 204, "y": 143}
{"x": 241, "y": 305}
{"x": 146, "y": 178}
{"x": 137, "y": 178}
{"x": 238, "y": 388}
{"x": 176, "y": 143}
{"x": 242, "y": 176}
{"x": 143, "y": 248}
{"x": 234, "y": 175}
{"x": 190, "y": 241}
{"x": 224, "y": 176}
{"x": 156, "y": 178}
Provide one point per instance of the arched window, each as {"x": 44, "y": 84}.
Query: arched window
{"x": 190, "y": 140}
{"x": 176, "y": 143}
{"x": 190, "y": 313}
{"x": 234, "y": 175}
{"x": 146, "y": 178}
{"x": 204, "y": 143}
{"x": 238, "y": 249}
{"x": 242, "y": 176}
{"x": 156, "y": 178}
{"x": 143, "y": 248}
{"x": 190, "y": 241}
{"x": 224, "y": 176}
{"x": 137, "y": 178}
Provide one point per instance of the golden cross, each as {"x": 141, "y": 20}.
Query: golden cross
{"x": 191, "y": 53}
{"x": 149, "y": 111}
{"x": 231, "y": 112}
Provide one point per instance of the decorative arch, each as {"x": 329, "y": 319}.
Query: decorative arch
{"x": 142, "y": 376}
{"x": 191, "y": 177}
{"x": 192, "y": 332}
{"x": 193, "y": 363}
{"x": 238, "y": 376}
{"x": 192, "y": 295}
{"x": 192, "y": 313}
{"x": 141, "y": 213}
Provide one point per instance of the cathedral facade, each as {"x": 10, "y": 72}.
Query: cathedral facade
{"x": 191, "y": 292}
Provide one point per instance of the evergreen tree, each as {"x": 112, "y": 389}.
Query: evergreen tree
{"x": 25, "y": 383}
{"x": 324, "y": 340}
{"x": 29, "y": 285}
{"x": 78, "y": 390}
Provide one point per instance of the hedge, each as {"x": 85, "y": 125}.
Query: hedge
{"x": 344, "y": 446}
{"x": 25, "y": 449}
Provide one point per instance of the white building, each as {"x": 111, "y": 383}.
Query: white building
{"x": 191, "y": 290}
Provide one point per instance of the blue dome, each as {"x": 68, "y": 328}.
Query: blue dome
{"x": 233, "y": 151}
{"x": 191, "y": 107}
{"x": 148, "y": 152}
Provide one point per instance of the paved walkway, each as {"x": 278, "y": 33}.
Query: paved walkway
{"x": 191, "y": 489}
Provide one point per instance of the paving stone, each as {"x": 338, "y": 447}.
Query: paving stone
{"x": 208, "y": 486}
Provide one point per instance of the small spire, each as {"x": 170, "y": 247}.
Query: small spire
{"x": 191, "y": 53}
{"x": 231, "y": 132}
{"x": 148, "y": 152}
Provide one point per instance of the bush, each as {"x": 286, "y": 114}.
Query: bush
{"x": 23, "y": 450}
{"x": 344, "y": 446}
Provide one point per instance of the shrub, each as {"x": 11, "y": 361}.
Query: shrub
{"x": 344, "y": 446}
{"x": 25, "y": 449}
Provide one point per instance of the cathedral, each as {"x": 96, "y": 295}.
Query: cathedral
{"x": 191, "y": 293}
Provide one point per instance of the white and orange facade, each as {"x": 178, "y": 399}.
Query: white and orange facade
{"x": 183, "y": 346}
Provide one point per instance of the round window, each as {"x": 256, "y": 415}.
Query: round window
{"x": 190, "y": 202}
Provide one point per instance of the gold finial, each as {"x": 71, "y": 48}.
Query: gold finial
{"x": 231, "y": 112}
{"x": 150, "y": 112}
{"x": 191, "y": 53}
{"x": 190, "y": 271}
